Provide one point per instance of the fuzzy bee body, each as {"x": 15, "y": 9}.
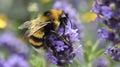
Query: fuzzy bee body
{"x": 41, "y": 27}
{"x": 37, "y": 38}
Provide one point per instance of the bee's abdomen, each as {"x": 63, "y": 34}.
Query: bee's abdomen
{"x": 37, "y": 38}
{"x": 36, "y": 42}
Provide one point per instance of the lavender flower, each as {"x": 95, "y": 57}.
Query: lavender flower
{"x": 16, "y": 61}
{"x": 60, "y": 46}
{"x": 13, "y": 44}
{"x": 2, "y": 62}
{"x": 101, "y": 62}
{"x": 51, "y": 58}
{"x": 96, "y": 8}
{"x": 67, "y": 8}
{"x": 59, "y": 52}
{"x": 71, "y": 33}
{"x": 106, "y": 12}
{"x": 114, "y": 51}
{"x": 110, "y": 12}
{"x": 105, "y": 34}
{"x": 103, "y": 10}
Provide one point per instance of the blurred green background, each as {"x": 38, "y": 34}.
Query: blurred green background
{"x": 15, "y": 12}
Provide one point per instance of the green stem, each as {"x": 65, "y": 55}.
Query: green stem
{"x": 67, "y": 65}
{"x": 91, "y": 55}
{"x": 47, "y": 64}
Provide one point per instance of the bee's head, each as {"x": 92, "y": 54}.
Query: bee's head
{"x": 52, "y": 15}
{"x": 63, "y": 18}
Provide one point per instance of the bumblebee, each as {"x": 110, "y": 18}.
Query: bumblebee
{"x": 43, "y": 26}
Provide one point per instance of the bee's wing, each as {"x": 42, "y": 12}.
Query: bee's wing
{"x": 36, "y": 28}
{"x": 26, "y": 34}
{"x": 25, "y": 25}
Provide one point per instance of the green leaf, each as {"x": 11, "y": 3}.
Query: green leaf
{"x": 54, "y": 66}
{"x": 95, "y": 46}
{"x": 86, "y": 57}
{"x": 100, "y": 52}
{"x": 67, "y": 65}
{"x": 76, "y": 63}
{"x": 37, "y": 61}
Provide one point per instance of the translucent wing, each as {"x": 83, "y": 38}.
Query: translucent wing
{"x": 36, "y": 28}
{"x": 29, "y": 24}
{"x": 25, "y": 25}
{"x": 33, "y": 26}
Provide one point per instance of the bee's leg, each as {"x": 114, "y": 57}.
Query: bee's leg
{"x": 64, "y": 28}
{"x": 63, "y": 24}
{"x": 65, "y": 21}
{"x": 49, "y": 44}
{"x": 45, "y": 43}
{"x": 61, "y": 38}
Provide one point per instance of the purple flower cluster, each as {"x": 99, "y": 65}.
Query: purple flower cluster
{"x": 109, "y": 12}
{"x": 19, "y": 52}
{"x": 72, "y": 14}
{"x": 2, "y": 62}
{"x": 114, "y": 50}
{"x": 14, "y": 61}
{"x": 101, "y": 62}
{"x": 13, "y": 44}
{"x": 61, "y": 53}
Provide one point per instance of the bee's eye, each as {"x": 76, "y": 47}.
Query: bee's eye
{"x": 47, "y": 13}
